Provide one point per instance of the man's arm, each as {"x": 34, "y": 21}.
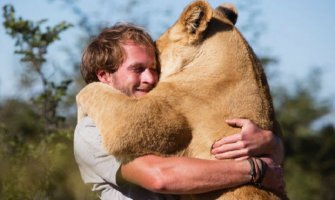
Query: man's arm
{"x": 182, "y": 175}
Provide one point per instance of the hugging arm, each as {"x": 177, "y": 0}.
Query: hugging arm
{"x": 182, "y": 175}
{"x": 132, "y": 127}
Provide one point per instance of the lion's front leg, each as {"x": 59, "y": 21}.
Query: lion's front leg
{"x": 133, "y": 127}
{"x": 93, "y": 98}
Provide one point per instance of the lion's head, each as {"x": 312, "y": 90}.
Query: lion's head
{"x": 204, "y": 38}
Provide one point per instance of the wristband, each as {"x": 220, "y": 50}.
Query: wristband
{"x": 252, "y": 170}
{"x": 262, "y": 170}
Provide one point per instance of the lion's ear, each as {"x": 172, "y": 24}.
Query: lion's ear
{"x": 194, "y": 19}
{"x": 228, "y": 10}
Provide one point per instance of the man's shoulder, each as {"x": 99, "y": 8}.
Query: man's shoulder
{"x": 86, "y": 122}
{"x": 87, "y": 131}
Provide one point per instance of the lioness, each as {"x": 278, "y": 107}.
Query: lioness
{"x": 208, "y": 74}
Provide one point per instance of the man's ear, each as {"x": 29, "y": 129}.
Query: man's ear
{"x": 194, "y": 19}
{"x": 104, "y": 76}
{"x": 228, "y": 10}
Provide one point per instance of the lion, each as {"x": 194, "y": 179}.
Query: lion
{"x": 209, "y": 74}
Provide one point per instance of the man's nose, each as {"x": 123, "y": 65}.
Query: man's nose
{"x": 149, "y": 77}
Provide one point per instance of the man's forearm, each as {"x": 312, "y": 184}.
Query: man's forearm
{"x": 181, "y": 175}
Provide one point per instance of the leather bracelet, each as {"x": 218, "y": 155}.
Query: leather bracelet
{"x": 252, "y": 170}
{"x": 262, "y": 170}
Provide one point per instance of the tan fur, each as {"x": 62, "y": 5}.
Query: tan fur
{"x": 209, "y": 74}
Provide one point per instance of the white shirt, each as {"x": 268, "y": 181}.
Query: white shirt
{"x": 100, "y": 169}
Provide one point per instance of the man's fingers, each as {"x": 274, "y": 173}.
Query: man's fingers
{"x": 227, "y": 147}
{"x": 227, "y": 140}
{"x": 232, "y": 154}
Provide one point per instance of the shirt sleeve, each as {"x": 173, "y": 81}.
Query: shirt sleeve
{"x": 95, "y": 165}
{"x": 101, "y": 169}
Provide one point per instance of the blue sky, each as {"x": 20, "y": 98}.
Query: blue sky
{"x": 300, "y": 33}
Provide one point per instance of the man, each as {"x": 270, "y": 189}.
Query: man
{"x": 124, "y": 57}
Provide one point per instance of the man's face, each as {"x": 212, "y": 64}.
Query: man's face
{"x": 137, "y": 75}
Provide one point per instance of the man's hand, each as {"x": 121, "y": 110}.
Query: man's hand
{"x": 251, "y": 141}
